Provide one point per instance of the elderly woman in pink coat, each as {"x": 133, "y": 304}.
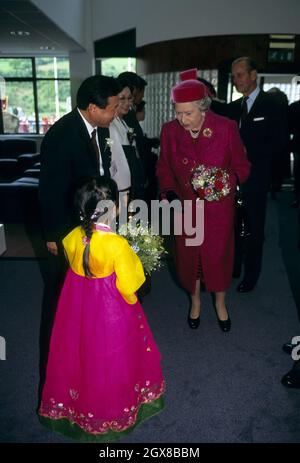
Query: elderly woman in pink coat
{"x": 199, "y": 137}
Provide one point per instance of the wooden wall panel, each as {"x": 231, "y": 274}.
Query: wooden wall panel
{"x": 211, "y": 53}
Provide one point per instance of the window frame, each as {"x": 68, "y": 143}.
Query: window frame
{"x": 34, "y": 79}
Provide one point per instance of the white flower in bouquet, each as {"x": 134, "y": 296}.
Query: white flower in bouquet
{"x": 136, "y": 248}
{"x": 211, "y": 183}
{"x": 146, "y": 245}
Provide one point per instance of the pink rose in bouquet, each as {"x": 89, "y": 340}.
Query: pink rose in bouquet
{"x": 211, "y": 183}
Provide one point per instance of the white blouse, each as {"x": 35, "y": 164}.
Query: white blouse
{"x": 119, "y": 170}
{"x": 122, "y": 129}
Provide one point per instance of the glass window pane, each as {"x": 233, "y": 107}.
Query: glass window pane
{"x": 18, "y": 114}
{"x": 52, "y": 67}
{"x": 114, "y": 66}
{"x": 54, "y": 100}
{"x": 44, "y": 67}
{"x": 15, "y": 67}
{"x": 63, "y": 67}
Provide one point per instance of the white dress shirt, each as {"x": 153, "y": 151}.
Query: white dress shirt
{"x": 90, "y": 129}
{"x": 121, "y": 173}
{"x": 252, "y": 97}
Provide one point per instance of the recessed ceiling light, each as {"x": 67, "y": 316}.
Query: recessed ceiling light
{"x": 20, "y": 33}
{"x": 47, "y": 48}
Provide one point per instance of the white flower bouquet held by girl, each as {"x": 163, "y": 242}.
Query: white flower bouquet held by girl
{"x": 146, "y": 245}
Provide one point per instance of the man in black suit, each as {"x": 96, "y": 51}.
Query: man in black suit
{"x": 68, "y": 152}
{"x": 75, "y": 146}
{"x": 259, "y": 117}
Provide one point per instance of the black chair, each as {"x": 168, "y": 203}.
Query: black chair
{"x": 8, "y": 170}
{"x": 32, "y": 173}
{"x": 33, "y": 181}
{"x": 27, "y": 161}
{"x": 13, "y": 147}
{"x": 19, "y": 201}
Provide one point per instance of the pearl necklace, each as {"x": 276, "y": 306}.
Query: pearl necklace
{"x": 194, "y": 133}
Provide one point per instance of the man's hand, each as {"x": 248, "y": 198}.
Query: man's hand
{"x": 52, "y": 247}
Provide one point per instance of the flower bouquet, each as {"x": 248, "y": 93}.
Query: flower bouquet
{"x": 211, "y": 183}
{"x": 146, "y": 245}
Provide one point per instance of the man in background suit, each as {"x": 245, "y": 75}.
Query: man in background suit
{"x": 217, "y": 106}
{"x": 138, "y": 85}
{"x": 259, "y": 117}
{"x": 294, "y": 129}
{"x": 74, "y": 147}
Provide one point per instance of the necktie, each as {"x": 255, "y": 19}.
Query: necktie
{"x": 244, "y": 110}
{"x": 96, "y": 148}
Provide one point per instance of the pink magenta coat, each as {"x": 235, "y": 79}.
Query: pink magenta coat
{"x": 218, "y": 145}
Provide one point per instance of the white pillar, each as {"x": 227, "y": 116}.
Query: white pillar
{"x": 81, "y": 66}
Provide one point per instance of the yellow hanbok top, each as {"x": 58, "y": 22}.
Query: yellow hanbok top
{"x": 109, "y": 253}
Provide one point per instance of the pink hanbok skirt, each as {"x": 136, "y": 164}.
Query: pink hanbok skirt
{"x": 103, "y": 373}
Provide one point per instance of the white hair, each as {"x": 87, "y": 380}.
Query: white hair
{"x": 203, "y": 104}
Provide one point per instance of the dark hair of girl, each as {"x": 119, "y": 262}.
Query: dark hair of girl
{"x": 87, "y": 196}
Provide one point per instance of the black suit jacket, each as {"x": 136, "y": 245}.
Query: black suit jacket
{"x": 263, "y": 134}
{"x": 294, "y": 125}
{"x": 67, "y": 155}
{"x": 131, "y": 120}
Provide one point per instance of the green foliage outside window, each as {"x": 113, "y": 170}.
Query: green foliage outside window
{"x": 52, "y": 67}
{"x": 53, "y": 94}
{"x": 15, "y": 67}
{"x": 114, "y": 66}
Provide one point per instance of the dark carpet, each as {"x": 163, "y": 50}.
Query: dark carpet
{"x": 221, "y": 387}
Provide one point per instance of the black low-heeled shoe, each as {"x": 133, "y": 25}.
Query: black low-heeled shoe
{"x": 225, "y": 325}
{"x": 245, "y": 287}
{"x": 288, "y": 347}
{"x": 194, "y": 322}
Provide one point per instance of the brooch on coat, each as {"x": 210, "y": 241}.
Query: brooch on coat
{"x": 207, "y": 132}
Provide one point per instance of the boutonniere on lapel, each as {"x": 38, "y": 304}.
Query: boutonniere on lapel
{"x": 108, "y": 143}
{"x": 207, "y": 132}
{"x": 131, "y": 135}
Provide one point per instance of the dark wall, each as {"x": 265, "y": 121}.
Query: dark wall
{"x": 216, "y": 52}
{"x": 210, "y": 53}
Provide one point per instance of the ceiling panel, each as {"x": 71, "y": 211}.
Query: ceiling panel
{"x": 22, "y": 15}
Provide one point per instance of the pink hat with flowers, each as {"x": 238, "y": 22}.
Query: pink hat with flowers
{"x": 189, "y": 89}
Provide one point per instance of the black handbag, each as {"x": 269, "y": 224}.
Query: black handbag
{"x": 241, "y": 220}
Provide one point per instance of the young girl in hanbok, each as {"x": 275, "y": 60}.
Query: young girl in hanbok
{"x": 103, "y": 372}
